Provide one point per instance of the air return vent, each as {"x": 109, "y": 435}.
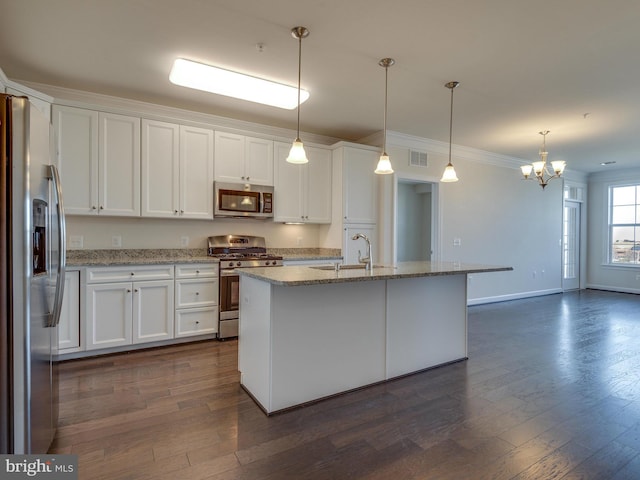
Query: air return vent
{"x": 417, "y": 159}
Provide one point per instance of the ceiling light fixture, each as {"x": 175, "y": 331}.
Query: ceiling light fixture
{"x": 208, "y": 78}
{"x": 297, "y": 153}
{"x": 540, "y": 168}
{"x": 449, "y": 174}
{"x": 384, "y": 164}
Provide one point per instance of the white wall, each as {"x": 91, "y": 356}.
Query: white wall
{"x": 499, "y": 218}
{"x": 97, "y": 232}
{"x": 600, "y": 275}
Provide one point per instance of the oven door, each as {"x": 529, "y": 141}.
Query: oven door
{"x": 229, "y": 294}
{"x": 229, "y": 303}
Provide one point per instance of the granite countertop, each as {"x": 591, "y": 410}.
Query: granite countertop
{"x": 115, "y": 257}
{"x": 106, "y": 258}
{"x": 307, "y": 275}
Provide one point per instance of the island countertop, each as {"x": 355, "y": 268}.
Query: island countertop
{"x": 310, "y": 275}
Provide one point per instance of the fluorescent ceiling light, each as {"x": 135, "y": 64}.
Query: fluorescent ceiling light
{"x": 233, "y": 84}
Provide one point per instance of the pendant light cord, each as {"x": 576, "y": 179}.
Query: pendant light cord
{"x": 384, "y": 134}
{"x": 451, "y": 125}
{"x": 299, "y": 76}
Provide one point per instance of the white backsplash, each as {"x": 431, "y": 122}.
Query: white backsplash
{"x": 99, "y": 232}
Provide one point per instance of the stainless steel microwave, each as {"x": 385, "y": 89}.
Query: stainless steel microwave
{"x": 243, "y": 200}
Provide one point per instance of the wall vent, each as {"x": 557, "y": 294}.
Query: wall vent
{"x": 417, "y": 159}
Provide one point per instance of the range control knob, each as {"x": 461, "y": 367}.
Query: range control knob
{"x": 231, "y": 264}
{"x": 238, "y": 264}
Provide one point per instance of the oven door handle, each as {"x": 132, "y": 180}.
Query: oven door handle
{"x": 228, "y": 273}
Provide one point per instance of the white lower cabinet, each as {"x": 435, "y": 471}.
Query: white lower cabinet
{"x": 125, "y": 312}
{"x": 196, "y": 300}
{"x": 69, "y": 326}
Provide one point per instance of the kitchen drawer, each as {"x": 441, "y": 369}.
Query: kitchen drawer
{"x": 197, "y": 270}
{"x": 196, "y": 292}
{"x": 196, "y": 321}
{"x": 131, "y": 274}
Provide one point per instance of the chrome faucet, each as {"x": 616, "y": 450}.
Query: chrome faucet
{"x": 368, "y": 260}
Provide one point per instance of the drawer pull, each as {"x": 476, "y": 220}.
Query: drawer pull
{"x": 197, "y": 293}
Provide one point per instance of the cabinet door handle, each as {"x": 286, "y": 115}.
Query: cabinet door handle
{"x": 247, "y": 178}
{"x": 128, "y": 290}
{"x": 101, "y": 207}
{"x": 93, "y": 207}
{"x": 135, "y": 290}
{"x": 197, "y": 271}
{"x": 175, "y": 211}
{"x": 197, "y": 322}
{"x": 197, "y": 293}
{"x": 132, "y": 274}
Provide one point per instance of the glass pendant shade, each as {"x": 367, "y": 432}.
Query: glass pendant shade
{"x": 297, "y": 154}
{"x": 538, "y": 167}
{"x": 526, "y": 170}
{"x": 449, "y": 174}
{"x": 558, "y": 166}
{"x": 384, "y": 165}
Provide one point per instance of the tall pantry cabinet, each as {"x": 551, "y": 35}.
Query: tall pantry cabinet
{"x": 359, "y": 198}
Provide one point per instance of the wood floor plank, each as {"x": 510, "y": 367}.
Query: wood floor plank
{"x": 551, "y": 390}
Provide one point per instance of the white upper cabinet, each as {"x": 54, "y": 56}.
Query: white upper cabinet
{"x": 241, "y": 159}
{"x": 302, "y": 192}
{"x": 177, "y": 171}
{"x": 99, "y": 160}
{"x": 160, "y": 169}
{"x": 196, "y": 172}
{"x": 77, "y": 151}
{"x": 359, "y": 183}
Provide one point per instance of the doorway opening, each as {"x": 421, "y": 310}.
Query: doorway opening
{"x": 416, "y": 220}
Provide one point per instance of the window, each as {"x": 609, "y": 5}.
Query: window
{"x": 624, "y": 225}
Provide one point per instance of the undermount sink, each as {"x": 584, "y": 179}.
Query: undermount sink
{"x": 355, "y": 266}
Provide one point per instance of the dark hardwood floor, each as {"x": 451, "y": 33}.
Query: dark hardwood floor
{"x": 551, "y": 390}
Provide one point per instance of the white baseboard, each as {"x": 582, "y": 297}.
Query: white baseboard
{"x": 610, "y": 288}
{"x": 513, "y": 296}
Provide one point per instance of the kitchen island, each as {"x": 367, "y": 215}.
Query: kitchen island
{"x": 307, "y": 333}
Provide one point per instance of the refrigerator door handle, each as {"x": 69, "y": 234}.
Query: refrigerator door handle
{"x": 62, "y": 245}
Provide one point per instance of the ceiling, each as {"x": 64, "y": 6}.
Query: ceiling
{"x": 568, "y": 66}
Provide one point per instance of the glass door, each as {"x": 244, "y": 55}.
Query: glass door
{"x": 571, "y": 246}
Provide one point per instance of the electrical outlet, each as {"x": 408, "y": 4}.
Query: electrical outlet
{"x": 457, "y": 242}
{"x": 299, "y": 241}
{"x": 116, "y": 240}
{"x": 184, "y": 241}
{"x": 76, "y": 241}
{"x": 637, "y": 277}
{"x": 534, "y": 274}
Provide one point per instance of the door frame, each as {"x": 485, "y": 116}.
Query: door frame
{"x": 436, "y": 218}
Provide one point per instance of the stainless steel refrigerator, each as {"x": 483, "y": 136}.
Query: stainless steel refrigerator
{"x": 32, "y": 266}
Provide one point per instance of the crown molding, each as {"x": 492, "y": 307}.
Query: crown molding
{"x": 106, "y": 103}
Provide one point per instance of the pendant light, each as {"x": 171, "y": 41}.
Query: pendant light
{"x": 384, "y": 164}
{"x": 297, "y": 153}
{"x": 449, "y": 174}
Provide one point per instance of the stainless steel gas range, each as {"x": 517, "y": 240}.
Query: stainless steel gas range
{"x": 236, "y": 251}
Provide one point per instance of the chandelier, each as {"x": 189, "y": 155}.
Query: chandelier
{"x": 540, "y": 168}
